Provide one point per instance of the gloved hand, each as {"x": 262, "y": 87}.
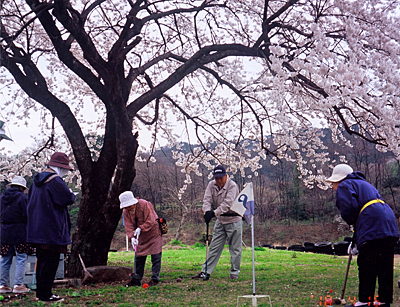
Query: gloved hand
{"x": 353, "y": 251}
{"x": 134, "y": 242}
{"x": 208, "y": 216}
{"x": 137, "y": 232}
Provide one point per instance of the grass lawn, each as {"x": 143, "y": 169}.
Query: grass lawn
{"x": 291, "y": 279}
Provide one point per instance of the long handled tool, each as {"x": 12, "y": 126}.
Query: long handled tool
{"x": 342, "y": 300}
{"x": 87, "y": 275}
{"x": 205, "y": 274}
{"x": 33, "y": 284}
{"x": 136, "y": 280}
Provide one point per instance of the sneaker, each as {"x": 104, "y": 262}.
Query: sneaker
{"x": 201, "y": 275}
{"x": 233, "y": 276}
{"x": 21, "y": 289}
{"x": 5, "y": 289}
{"x": 53, "y": 299}
{"x": 153, "y": 282}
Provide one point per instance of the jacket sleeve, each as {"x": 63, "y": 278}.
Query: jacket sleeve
{"x": 347, "y": 203}
{"x": 60, "y": 193}
{"x": 129, "y": 224}
{"x": 207, "y": 199}
{"x": 226, "y": 204}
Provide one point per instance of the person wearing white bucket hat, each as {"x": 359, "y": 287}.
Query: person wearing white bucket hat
{"x": 375, "y": 233}
{"x": 13, "y": 235}
{"x": 143, "y": 230}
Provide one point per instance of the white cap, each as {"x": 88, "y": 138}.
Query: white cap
{"x": 19, "y": 180}
{"x": 340, "y": 172}
{"x": 127, "y": 199}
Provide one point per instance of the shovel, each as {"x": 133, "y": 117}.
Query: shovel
{"x": 32, "y": 286}
{"x": 205, "y": 275}
{"x": 87, "y": 275}
{"x": 342, "y": 301}
{"x": 136, "y": 280}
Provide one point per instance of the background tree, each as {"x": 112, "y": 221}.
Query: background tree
{"x": 227, "y": 71}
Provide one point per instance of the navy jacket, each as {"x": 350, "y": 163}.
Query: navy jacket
{"x": 377, "y": 221}
{"x": 48, "y": 218}
{"x": 13, "y": 216}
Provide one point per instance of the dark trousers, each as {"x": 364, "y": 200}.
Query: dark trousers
{"x": 155, "y": 268}
{"x": 376, "y": 260}
{"x": 46, "y": 269}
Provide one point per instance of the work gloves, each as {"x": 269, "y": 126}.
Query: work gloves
{"x": 208, "y": 216}
{"x": 353, "y": 250}
{"x": 137, "y": 232}
{"x": 134, "y": 242}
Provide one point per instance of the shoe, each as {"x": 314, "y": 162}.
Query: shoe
{"x": 136, "y": 280}
{"x": 153, "y": 282}
{"x": 201, "y": 275}
{"x": 233, "y": 276}
{"x": 358, "y": 304}
{"x": 21, "y": 289}
{"x": 53, "y": 299}
{"x": 5, "y": 289}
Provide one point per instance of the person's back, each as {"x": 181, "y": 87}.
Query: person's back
{"x": 376, "y": 220}
{"x": 13, "y": 235}
{"x": 48, "y": 221}
{"x": 13, "y": 216}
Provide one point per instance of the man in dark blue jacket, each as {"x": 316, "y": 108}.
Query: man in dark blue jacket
{"x": 48, "y": 222}
{"x": 13, "y": 235}
{"x": 375, "y": 233}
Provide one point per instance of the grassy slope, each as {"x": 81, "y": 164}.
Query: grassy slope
{"x": 289, "y": 278}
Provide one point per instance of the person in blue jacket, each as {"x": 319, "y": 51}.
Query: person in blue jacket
{"x": 375, "y": 233}
{"x": 49, "y": 224}
{"x": 13, "y": 235}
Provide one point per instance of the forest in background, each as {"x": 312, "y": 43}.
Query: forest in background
{"x": 281, "y": 197}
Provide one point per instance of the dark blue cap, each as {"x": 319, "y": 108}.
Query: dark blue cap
{"x": 219, "y": 171}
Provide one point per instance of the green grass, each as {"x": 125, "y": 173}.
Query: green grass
{"x": 291, "y": 279}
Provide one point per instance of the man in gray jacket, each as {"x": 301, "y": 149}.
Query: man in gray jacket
{"x": 221, "y": 192}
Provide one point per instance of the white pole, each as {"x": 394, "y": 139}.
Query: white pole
{"x": 252, "y": 247}
{"x": 127, "y": 244}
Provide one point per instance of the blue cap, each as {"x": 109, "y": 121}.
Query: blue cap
{"x": 219, "y": 171}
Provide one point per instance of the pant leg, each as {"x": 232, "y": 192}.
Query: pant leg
{"x": 156, "y": 266}
{"x": 216, "y": 247}
{"x": 139, "y": 264}
{"x": 5, "y": 265}
{"x": 234, "y": 232}
{"x": 20, "y": 268}
{"x": 385, "y": 272}
{"x": 368, "y": 267}
{"x": 46, "y": 269}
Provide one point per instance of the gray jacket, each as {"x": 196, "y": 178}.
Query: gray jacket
{"x": 222, "y": 200}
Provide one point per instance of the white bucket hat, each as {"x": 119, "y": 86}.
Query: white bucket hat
{"x": 127, "y": 199}
{"x": 19, "y": 180}
{"x": 340, "y": 172}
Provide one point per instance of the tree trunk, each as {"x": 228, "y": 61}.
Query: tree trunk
{"x": 184, "y": 213}
{"x": 99, "y": 211}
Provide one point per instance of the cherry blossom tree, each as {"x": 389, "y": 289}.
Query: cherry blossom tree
{"x": 254, "y": 77}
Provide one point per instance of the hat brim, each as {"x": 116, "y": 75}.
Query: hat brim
{"x": 66, "y": 166}
{"x": 335, "y": 178}
{"x": 129, "y": 203}
{"x": 19, "y": 184}
{"x": 5, "y": 137}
